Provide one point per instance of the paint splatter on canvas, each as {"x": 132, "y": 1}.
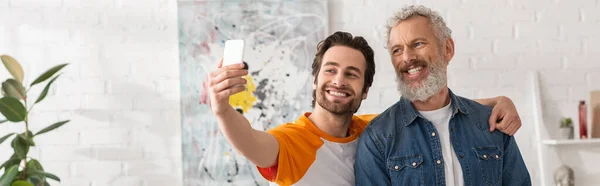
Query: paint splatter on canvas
{"x": 280, "y": 37}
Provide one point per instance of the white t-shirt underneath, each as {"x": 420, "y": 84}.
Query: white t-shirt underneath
{"x": 441, "y": 120}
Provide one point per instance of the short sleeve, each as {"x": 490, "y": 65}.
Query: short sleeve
{"x": 297, "y": 152}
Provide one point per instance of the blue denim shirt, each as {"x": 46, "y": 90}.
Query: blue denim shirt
{"x": 398, "y": 148}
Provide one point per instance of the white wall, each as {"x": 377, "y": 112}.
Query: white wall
{"x": 121, "y": 90}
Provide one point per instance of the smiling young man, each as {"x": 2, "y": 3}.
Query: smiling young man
{"x": 431, "y": 136}
{"x": 319, "y": 147}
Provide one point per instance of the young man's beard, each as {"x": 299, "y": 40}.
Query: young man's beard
{"x": 336, "y": 107}
{"x": 432, "y": 84}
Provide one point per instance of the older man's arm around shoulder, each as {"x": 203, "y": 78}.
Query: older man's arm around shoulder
{"x": 514, "y": 169}
{"x": 370, "y": 167}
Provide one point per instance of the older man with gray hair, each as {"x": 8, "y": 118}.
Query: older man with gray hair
{"x": 432, "y": 136}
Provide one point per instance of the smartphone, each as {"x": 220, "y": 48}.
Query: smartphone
{"x": 234, "y": 52}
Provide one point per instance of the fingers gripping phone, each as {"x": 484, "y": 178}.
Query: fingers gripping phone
{"x": 234, "y": 52}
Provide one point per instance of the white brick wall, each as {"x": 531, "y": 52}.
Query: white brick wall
{"x": 121, "y": 90}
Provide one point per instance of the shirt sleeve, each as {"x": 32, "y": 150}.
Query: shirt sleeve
{"x": 297, "y": 152}
{"x": 515, "y": 171}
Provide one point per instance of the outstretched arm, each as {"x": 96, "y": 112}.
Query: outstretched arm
{"x": 260, "y": 147}
{"x": 504, "y": 114}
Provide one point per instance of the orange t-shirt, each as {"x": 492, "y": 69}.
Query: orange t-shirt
{"x": 308, "y": 156}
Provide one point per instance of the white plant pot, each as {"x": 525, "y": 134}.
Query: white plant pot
{"x": 566, "y": 133}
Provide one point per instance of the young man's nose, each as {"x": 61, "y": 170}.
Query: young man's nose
{"x": 340, "y": 80}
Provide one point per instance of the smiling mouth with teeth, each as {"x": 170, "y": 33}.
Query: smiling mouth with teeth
{"x": 412, "y": 71}
{"x": 414, "y": 67}
{"x": 339, "y": 94}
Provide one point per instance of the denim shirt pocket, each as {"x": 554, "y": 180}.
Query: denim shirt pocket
{"x": 490, "y": 161}
{"x": 406, "y": 170}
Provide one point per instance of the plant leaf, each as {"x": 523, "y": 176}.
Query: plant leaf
{"x": 49, "y": 73}
{"x": 13, "y": 67}
{"x": 20, "y": 146}
{"x": 22, "y": 183}
{"x": 45, "y": 174}
{"x": 28, "y": 139}
{"x": 14, "y": 160}
{"x": 34, "y": 164}
{"x": 52, "y": 127}
{"x": 37, "y": 180}
{"x": 12, "y": 109}
{"x": 14, "y": 89}
{"x": 9, "y": 175}
{"x": 45, "y": 91}
{"x": 34, "y": 179}
{"x": 5, "y": 137}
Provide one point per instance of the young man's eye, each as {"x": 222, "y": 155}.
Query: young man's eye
{"x": 351, "y": 75}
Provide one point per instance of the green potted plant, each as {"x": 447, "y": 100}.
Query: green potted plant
{"x": 566, "y": 128}
{"x": 21, "y": 169}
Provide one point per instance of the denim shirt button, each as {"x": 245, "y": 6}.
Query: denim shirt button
{"x": 485, "y": 156}
{"x": 433, "y": 134}
{"x": 497, "y": 157}
{"x": 439, "y": 161}
{"x": 396, "y": 167}
{"x": 414, "y": 164}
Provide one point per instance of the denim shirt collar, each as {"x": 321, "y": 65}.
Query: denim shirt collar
{"x": 408, "y": 113}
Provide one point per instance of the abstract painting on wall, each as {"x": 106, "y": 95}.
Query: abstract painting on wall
{"x": 281, "y": 38}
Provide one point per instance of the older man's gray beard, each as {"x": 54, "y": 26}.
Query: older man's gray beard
{"x": 433, "y": 83}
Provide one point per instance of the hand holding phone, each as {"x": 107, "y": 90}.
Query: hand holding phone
{"x": 228, "y": 79}
{"x": 234, "y": 54}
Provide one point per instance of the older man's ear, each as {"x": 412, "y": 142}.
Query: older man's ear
{"x": 448, "y": 50}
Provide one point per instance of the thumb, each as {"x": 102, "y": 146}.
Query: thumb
{"x": 220, "y": 64}
{"x": 204, "y": 97}
{"x": 493, "y": 119}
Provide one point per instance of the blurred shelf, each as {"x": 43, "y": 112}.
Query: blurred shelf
{"x": 572, "y": 141}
